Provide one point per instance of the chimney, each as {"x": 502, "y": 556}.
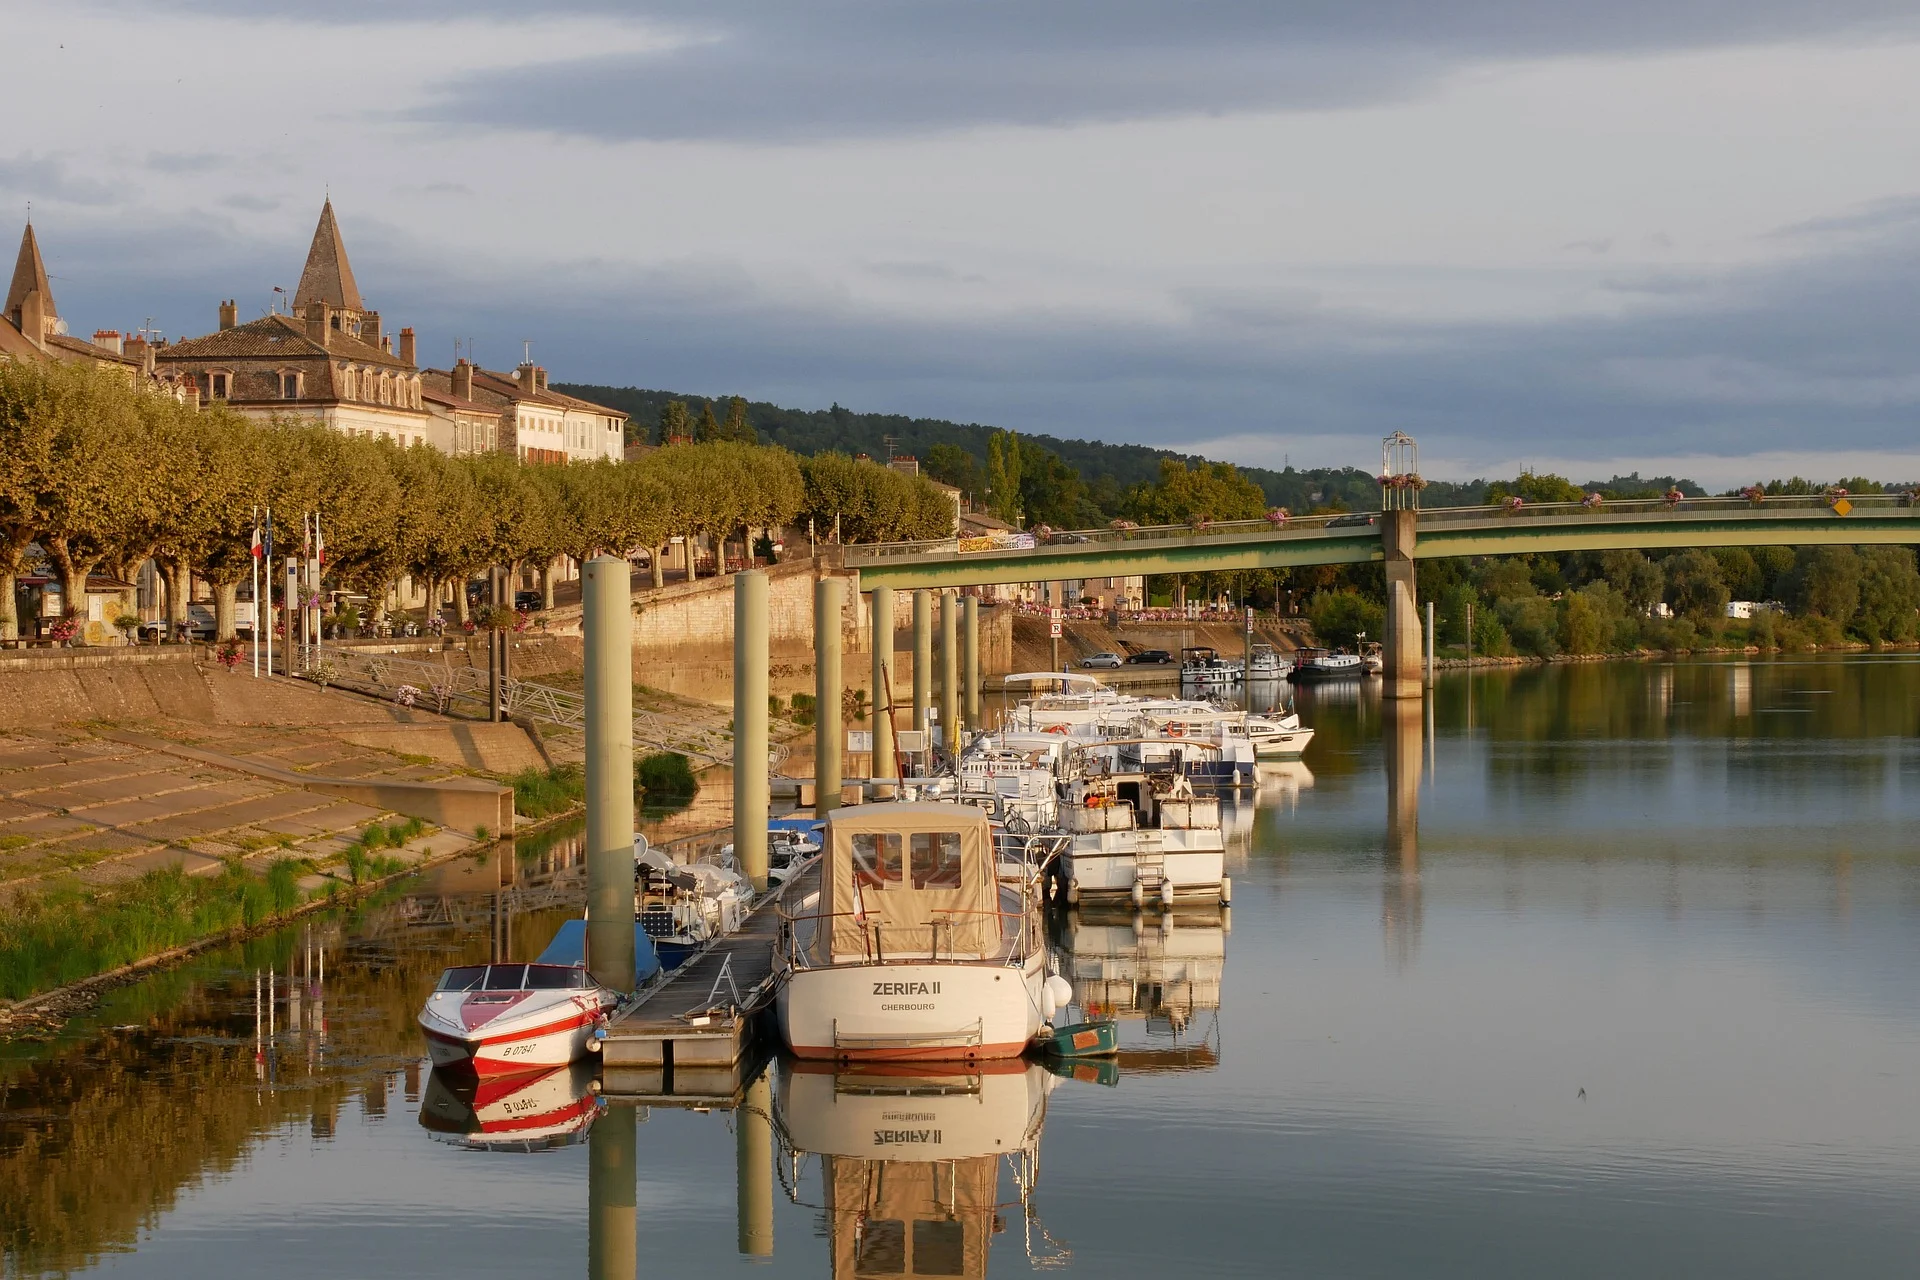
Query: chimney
{"x": 370, "y": 328}
{"x": 229, "y": 313}
{"x": 386, "y": 344}
{"x": 524, "y": 376}
{"x": 539, "y": 378}
{"x": 108, "y": 340}
{"x": 319, "y": 318}
{"x": 406, "y": 345}
{"x": 461, "y": 380}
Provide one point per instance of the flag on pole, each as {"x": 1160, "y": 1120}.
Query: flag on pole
{"x": 258, "y": 549}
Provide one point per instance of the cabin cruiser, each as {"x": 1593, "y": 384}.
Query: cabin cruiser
{"x": 1011, "y": 776}
{"x": 1325, "y": 664}
{"x": 1166, "y": 736}
{"x": 1373, "y": 657}
{"x": 1161, "y": 979}
{"x": 683, "y": 907}
{"x": 1142, "y": 836}
{"x": 1061, "y": 701}
{"x": 534, "y": 1112}
{"x": 910, "y": 946}
{"x": 1278, "y": 737}
{"x": 1267, "y": 664}
{"x": 911, "y": 1157}
{"x": 500, "y": 1019}
{"x": 1204, "y": 668}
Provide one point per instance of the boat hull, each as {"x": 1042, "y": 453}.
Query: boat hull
{"x": 1282, "y": 746}
{"x": 554, "y": 1037}
{"x": 912, "y": 1012}
{"x": 1108, "y": 865}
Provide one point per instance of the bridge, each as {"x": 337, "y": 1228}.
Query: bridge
{"x": 1399, "y": 538}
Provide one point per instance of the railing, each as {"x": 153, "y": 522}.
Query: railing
{"x": 443, "y": 687}
{"x": 1361, "y": 522}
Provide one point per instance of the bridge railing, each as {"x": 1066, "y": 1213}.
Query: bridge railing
{"x": 857, "y": 554}
{"x": 1781, "y": 505}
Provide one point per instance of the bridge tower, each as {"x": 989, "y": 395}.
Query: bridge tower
{"x": 1400, "y": 486}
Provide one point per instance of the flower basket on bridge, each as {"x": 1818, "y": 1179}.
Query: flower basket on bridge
{"x": 1400, "y": 480}
{"x": 1278, "y": 517}
{"x": 1754, "y": 493}
{"x": 1674, "y": 498}
{"x": 1592, "y": 501}
{"x": 1512, "y": 503}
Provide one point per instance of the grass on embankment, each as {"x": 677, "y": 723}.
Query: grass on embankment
{"x": 662, "y": 782}
{"x": 74, "y": 932}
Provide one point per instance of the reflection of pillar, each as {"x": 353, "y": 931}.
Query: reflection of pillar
{"x": 883, "y": 766}
{"x": 753, "y": 1157}
{"x": 950, "y": 670}
{"x": 922, "y": 656}
{"x": 828, "y": 735}
{"x": 970, "y": 660}
{"x": 607, "y": 618}
{"x": 1400, "y": 905}
{"x": 612, "y": 1252}
{"x": 750, "y": 663}
{"x": 1401, "y": 645}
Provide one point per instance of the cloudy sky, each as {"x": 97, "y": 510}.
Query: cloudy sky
{"x": 1648, "y": 233}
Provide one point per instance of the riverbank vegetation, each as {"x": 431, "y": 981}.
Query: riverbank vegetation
{"x": 102, "y": 476}
{"x": 75, "y": 931}
{"x": 662, "y": 780}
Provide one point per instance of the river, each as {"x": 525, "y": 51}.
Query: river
{"x": 1608, "y": 969}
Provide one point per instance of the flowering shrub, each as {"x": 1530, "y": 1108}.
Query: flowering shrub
{"x": 229, "y": 654}
{"x": 406, "y": 695}
{"x": 1591, "y": 501}
{"x": 65, "y": 629}
{"x": 522, "y": 619}
{"x": 1278, "y": 517}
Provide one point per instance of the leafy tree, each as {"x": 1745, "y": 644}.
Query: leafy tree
{"x": 1742, "y": 573}
{"x": 1695, "y": 587}
{"x": 675, "y": 424}
{"x": 1639, "y": 581}
{"x": 708, "y": 429}
{"x": 1533, "y": 488}
{"x": 1003, "y": 476}
{"x": 950, "y": 464}
{"x": 1889, "y": 595}
{"x": 1342, "y": 617}
{"x": 1825, "y": 582}
{"x": 1582, "y": 629}
{"x": 1533, "y": 623}
{"x": 736, "y": 427}
{"x": 1198, "y": 494}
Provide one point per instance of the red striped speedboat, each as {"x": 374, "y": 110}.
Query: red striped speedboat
{"x": 497, "y": 1019}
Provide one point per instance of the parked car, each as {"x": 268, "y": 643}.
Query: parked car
{"x": 1150, "y": 658}
{"x": 528, "y": 600}
{"x": 1104, "y": 661}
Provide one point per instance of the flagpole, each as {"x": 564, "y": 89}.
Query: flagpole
{"x": 255, "y": 558}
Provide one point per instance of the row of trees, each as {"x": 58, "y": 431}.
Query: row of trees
{"x": 101, "y": 476}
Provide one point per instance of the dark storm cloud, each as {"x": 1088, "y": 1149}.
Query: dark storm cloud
{"x": 781, "y": 70}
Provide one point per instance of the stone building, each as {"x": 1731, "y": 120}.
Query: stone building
{"x": 537, "y": 423}
{"x": 31, "y": 327}
{"x": 330, "y": 360}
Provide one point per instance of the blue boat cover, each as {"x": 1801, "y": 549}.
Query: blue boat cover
{"x": 569, "y": 946}
{"x": 804, "y": 825}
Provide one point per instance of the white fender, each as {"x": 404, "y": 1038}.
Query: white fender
{"x": 1059, "y": 991}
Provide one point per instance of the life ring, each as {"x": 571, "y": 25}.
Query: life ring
{"x": 1056, "y": 728}
{"x": 1175, "y": 731}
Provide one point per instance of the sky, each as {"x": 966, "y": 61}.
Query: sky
{"x": 1664, "y": 235}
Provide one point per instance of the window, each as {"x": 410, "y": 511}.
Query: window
{"x": 876, "y": 858}
{"x": 935, "y": 859}
{"x": 289, "y": 386}
{"x": 883, "y": 1248}
{"x": 217, "y": 385}
{"x": 939, "y": 1247}
{"x": 464, "y": 978}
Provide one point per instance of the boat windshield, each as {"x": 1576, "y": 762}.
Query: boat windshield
{"x": 555, "y": 977}
{"x": 467, "y": 977}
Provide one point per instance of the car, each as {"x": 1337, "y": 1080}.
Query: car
{"x": 1150, "y": 658}
{"x": 1105, "y": 661}
{"x": 1352, "y": 521}
{"x": 528, "y": 600}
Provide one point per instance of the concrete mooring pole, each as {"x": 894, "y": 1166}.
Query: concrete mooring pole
{"x": 922, "y": 656}
{"x": 753, "y": 1168}
{"x": 612, "y": 1195}
{"x": 950, "y": 671}
{"x": 883, "y": 763}
{"x": 829, "y": 732}
{"x": 608, "y": 621}
{"x": 970, "y": 659}
{"x": 1429, "y": 645}
{"x": 750, "y": 724}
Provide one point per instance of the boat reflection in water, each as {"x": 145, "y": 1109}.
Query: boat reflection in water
{"x": 1279, "y": 784}
{"x": 533, "y": 1112}
{"x": 1158, "y": 977}
{"x": 911, "y": 1158}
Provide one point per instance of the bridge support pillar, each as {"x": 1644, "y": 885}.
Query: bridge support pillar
{"x": 970, "y": 660}
{"x": 750, "y": 663}
{"x": 829, "y": 735}
{"x": 883, "y": 761}
{"x": 607, "y": 618}
{"x": 950, "y": 671}
{"x": 1401, "y": 644}
{"x": 922, "y": 655}
{"x": 612, "y": 1186}
{"x": 753, "y": 1169}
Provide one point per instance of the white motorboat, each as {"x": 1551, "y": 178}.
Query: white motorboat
{"x": 1145, "y": 837}
{"x": 1061, "y": 701}
{"x": 910, "y": 947}
{"x": 1202, "y": 667}
{"x": 1278, "y": 737}
{"x": 534, "y": 1112}
{"x": 683, "y": 907}
{"x": 1267, "y": 664}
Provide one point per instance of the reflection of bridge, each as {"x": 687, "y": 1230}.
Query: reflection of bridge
{"x": 1399, "y": 538}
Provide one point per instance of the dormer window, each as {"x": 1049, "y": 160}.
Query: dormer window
{"x": 217, "y": 384}
{"x": 289, "y": 386}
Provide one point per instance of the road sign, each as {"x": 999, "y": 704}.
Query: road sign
{"x": 1053, "y": 630}
{"x": 1056, "y": 613}
{"x": 911, "y": 741}
{"x": 1841, "y": 507}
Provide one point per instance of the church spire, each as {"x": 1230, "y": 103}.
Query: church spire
{"x": 327, "y": 277}
{"x": 29, "y": 276}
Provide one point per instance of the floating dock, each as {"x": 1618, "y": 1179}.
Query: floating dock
{"x": 701, "y": 1018}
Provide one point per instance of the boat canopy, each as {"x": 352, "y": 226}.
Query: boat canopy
{"x": 910, "y": 879}
{"x": 569, "y": 946}
{"x": 1070, "y": 679}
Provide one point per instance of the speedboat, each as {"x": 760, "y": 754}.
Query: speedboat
{"x": 1325, "y": 664}
{"x": 500, "y": 1019}
{"x": 911, "y": 947}
{"x": 682, "y": 908}
{"x": 533, "y": 1112}
{"x": 1278, "y": 737}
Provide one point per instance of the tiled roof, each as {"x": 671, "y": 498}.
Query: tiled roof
{"x": 327, "y": 277}
{"x": 79, "y": 348}
{"x": 14, "y": 344}
{"x": 440, "y": 383}
{"x": 277, "y": 337}
{"x": 508, "y": 388}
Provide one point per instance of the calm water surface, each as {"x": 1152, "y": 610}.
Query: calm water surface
{"x": 1610, "y": 970}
